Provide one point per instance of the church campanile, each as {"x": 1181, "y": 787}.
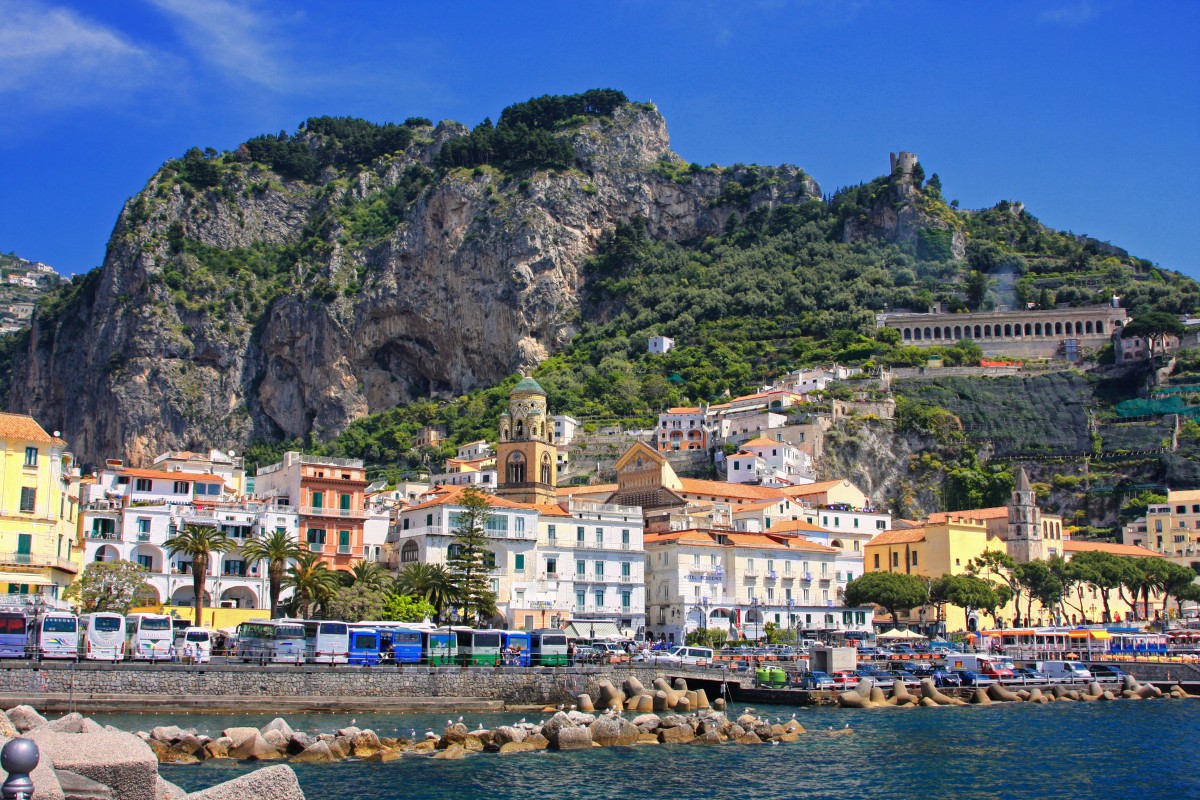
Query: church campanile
{"x": 526, "y": 459}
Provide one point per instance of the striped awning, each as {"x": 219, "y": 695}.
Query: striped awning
{"x": 27, "y": 578}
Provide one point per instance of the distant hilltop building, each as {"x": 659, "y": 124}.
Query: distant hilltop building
{"x": 660, "y": 344}
{"x": 904, "y": 161}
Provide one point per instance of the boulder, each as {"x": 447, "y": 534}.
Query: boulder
{"x": 277, "y": 783}
{"x": 614, "y": 731}
{"x": 77, "y": 787}
{"x": 747, "y": 720}
{"x": 473, "y": 744}
{"x": 70, "y": 723}
{"x": 277, "y": 724}
{"x": 763, "y": 731}
{"x": 537, "y": 741}
{"x": 239, "y": 735}
{"x": 121, "y": 761}
{"x": 708, "y": 737}
{"x": 25, "y": 718}
{"x": 647, "y": 723}
{"x": 169, "y": 791}
{"x": 679, "y": 734}
{"x": 734, "y": 731}
{"x": 166, "y": 733}
{"x": 452, "y": 753}
{"x": 555, "y": 724}
{"x": 218, "y": 748}
{"x": 89, "y": 725}
{"x": 7, "y": 729}
{"x": 794, "y": 727}
{"x": 298, "y": 742}
{"x": 516, "y": 747}
{"x": 255, "y": 748}
{"x": 749, "y": 738}
{"x": 580, "y": 718}
{"x": 187, "y": 750}
{"x": 366, "y": 743}
{"x": 316, "y": 753}
{"x": 506, "y": 734}
{"x": 647, "y": 738}
{"x": 276, "y": 740}
{"x": 352, "y": 731}
{"x": 385, "y": 757}
{"x": 574, "y": 738}
{"x": 425, "y": 746}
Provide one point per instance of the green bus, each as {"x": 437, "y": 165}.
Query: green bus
{"x": 548, "y": 648}
{"x": 478, "y": 648}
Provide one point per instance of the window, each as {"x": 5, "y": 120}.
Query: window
{"x": 316, "y": 538}
{"x": 857, "y": 545}
{"x": 344, "y": 501}
{"x": 750, "y": 565}
{"x": 552, "y": 533}
{"x": 856, "y": 522}
{"x": 625, "y": 571}
{"x": 31, "y": 455}
{"x": 599, "y": 536}
{"x": 343, "y": 541}
{"x": 318, "y": 499}
{"x": 880, "y": 525}
{"x": 143, "y": 525}
{"x": 624, "y": 537}
{"x": 142, "y": 485}
{"x": 599, "y": 569}
{"x": 580, "y": 534}
{"x": 408, "y": 553}
{"x": 787, "y": 570}
{"x": 519, "y": 562}
{"x": 495, "y": 586}
{"x": 405, "y": 527}
{"x": 28, "y": 498}
{"x": 914, "y": 558}
{"x": 147, "y": 562}
{"x": 580, "y": 567}
{"x": 182, "y": 487}
{"x": 234, "y": 567}
{"x": 429, "y": 520}
{"x": 696, "y": 559}
{"x": 552, "y": 566}
{"x": 895, "y": 559}
{"x": 626, "y": 599}
{"x": 599, "y": 598}
{"x": 580, "y": 600}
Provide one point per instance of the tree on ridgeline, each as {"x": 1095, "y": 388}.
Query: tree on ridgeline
{"x": 1154, "y": 327}
{"x": 200, "y": 542}
{"x": 108, "y": 586}
{"x": 277, "y": 550}
{"x": 894, "y": 591}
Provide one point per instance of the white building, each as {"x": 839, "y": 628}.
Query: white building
{"x": 739, "y": 582}
{"x": 660, "y": 344}
{"x": 768, "y": 462}
{"x": 478, "y": 449}
{"x": 551, "y": 563}
{"x": 564, "y": 428}
{"x": 817, "y": 379}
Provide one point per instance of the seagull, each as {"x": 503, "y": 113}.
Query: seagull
{"x": 522, "y": 721}
{"x": 412, "y": 733}
{"x": 449, "y": 722}
{"x": 460, "y": 717}
{"x": 352, "y": 722}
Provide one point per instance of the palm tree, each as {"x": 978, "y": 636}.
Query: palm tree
{"x": 199, "y": 542}
{"x": 277, "y": 550}
{"x": 430, "y": 582}
{"x": 312, "y": 580}
{"x": 369, "y": 575}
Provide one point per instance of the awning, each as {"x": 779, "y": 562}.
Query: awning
{"x": 1103, "y": 636}
{"x": 899, "y": 634}
{"x": 592, "y": 629}
{"x": 27, "y": 578}
{"x": 1082, "y": 634}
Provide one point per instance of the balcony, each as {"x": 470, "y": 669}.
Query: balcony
{"x": 549, "y": 576}
{"x": 102, "y": 536}
{"x": 316, "y": 547}
{"x": 806, "y": 576}
{"x": 750, "y": 574}
{"x": 626, "y": 579}
{"x": 772, "y": 575}
{"x": 103, "y": 506}
{"x": 31, "y": 560}
{"x": 143, "y": 536}
{"x": 345, "y": 550}
{"x": 334, "y": 513}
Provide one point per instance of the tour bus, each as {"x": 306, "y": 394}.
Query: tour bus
{"x": 515, "y": 648}
{"x": 364, "y": 646}
{"x": 14, "y": 634}
{"x": 148, "y": 637}
{"x": 102, "y": 637}
{"x": 548, "y": 648}
{"x": 398, "y": 642}
{"x": 439, "y": 647}
{"x": 478, "y": 647}
{"x": 55, "y": 634}
{"x": 274, "y": 640}
{"x": 194, "y": 643}
{"x": 325, "y": 642}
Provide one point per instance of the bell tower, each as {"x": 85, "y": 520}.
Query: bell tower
{"x": 526, "y": 459}
{"x": 1024, "y": 522}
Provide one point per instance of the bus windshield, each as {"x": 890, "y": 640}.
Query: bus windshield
{"x": 155, "y": 623}
{"x": 335, "y": 628}
{"x": 362, "y": 641}
{"x": 106, "y": 624}
{"x": 59, "y": 624}
{"x": 12, "y": 623}
{"x": 196, "y": 636}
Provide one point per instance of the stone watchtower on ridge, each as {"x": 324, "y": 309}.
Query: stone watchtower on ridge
{"x": 1024, "y": 522}
{"x": 526, "y": 458}
{"x": 904, "y": 161}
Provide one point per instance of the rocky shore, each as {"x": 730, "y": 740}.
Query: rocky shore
{"x": 869, "y": 695}
{"x": 83, "y": 760}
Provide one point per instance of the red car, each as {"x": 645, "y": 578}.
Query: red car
{"x": 844, "y": 679}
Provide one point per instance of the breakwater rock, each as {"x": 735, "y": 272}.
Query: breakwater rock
{"x": 79, "y": 757}
{"x": 869, "y": 695}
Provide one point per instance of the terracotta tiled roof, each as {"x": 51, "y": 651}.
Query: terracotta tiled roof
{"x": 758, "y": 506}
{"x": 690, "y": 536}
{"x": 26, "y": 429}
{"x": 899, "y": 537}
{"x": 796, "y": 526}
{"x": 721, "y": 489}
{"x": 551, "y": 511}
{"x": 174, "y": 475}
{"x": 453, "y": 494}
{"x": 1079, "y": 546}
{"x": 978, "y": 514}
{"x": 599, "y": 488}
{"x": 683, "y": 410}
{"x": 804, "y": 489}
{"x": 761, "y": 441}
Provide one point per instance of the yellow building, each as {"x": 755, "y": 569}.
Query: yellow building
{"x": 41, "y": 551}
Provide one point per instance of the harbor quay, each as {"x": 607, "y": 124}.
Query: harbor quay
{"x": 95, "y": 687}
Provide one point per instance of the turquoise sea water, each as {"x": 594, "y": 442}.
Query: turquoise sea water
{"x": 1145, "y": 749}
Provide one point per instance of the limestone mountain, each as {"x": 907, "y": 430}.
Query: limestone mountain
{"x": 291, "y": 286}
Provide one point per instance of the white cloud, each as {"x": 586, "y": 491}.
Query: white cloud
{"x": 233, "y": 38}
{"x": 1074, "y": 14}
{"x": 54, "y": 57}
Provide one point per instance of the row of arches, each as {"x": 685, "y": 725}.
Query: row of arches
{"x": 954, "y": 333}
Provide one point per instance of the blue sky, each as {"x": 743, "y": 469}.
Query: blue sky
{"x": 1086, "y": 110}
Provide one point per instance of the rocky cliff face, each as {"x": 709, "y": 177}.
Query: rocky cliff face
{"x": 259, "y": 306}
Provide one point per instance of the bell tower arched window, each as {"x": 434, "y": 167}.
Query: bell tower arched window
{"x": 516, "y": 469}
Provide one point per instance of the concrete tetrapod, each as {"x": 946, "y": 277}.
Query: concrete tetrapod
{"x": 999, "y": 692}
{"x": 980, "y": 697}
{"x": 929, "y": 691}
{"x": 899, "y": 695}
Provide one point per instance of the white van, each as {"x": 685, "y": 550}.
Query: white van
{"x": 1064, "y": 671}
{"x": 696, "y": 656}
{"x": 194, "y": 643}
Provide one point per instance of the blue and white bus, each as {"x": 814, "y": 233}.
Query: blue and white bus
{"x": 102, "y": 637}
{"x": 405, "y": 645}
{"x": 325, "y": 642}
{"x": 515, "y": 648}
{"x": 364, "y": 646}
{"x": 148, "y": 637}
{"x": 280, "y": 641}
{"x": 55, "y": 634}
{"x": 14, "y": 634}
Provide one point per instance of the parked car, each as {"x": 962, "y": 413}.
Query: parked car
{"x": 681, "y": 654}
{"x": 1028, "y": 677}
{"x": 1064, "y": 671}
{"x": 814, "y": 680}
{"x": 1104, "y": 673}
{"x": 845, "y": 679}
{"x": 970, "y": 678}
{"x": 944, "y": 679}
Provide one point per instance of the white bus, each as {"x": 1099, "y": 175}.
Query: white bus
{"x": 194, "y": 643}
{"x": 325, "y": 642}
{"x": 56, "y": 635}
{"x": 102, "y": 636}
{"x": 271, "y": 640}
{"x": 148, "y": 637}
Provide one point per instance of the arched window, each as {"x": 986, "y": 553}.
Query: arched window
{"x": 516, "y": 468}
{"x": 520, "y": 429}
{"x": 1099, "y": 326}
{"x": 545, "y": 470}
{"x": 987, "y": 331}
{"x": 1079, "y": 329}
{"x": 1037, "y": 329}
{"x": 958, "y": 332}
{"x": 976, "y": 331}
{"x": 1058, "y": 329}
{"x": 1008, "y": 330}
{"x": 408, "y": 553}
{"x": 927, "y": 334}
{"x": 1087, "y": 327}
{"x": 1028, "y": 329}
{"x": 908, "y": 334}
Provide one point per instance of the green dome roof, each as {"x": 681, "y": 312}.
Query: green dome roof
{"x": 529, "y": 385}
